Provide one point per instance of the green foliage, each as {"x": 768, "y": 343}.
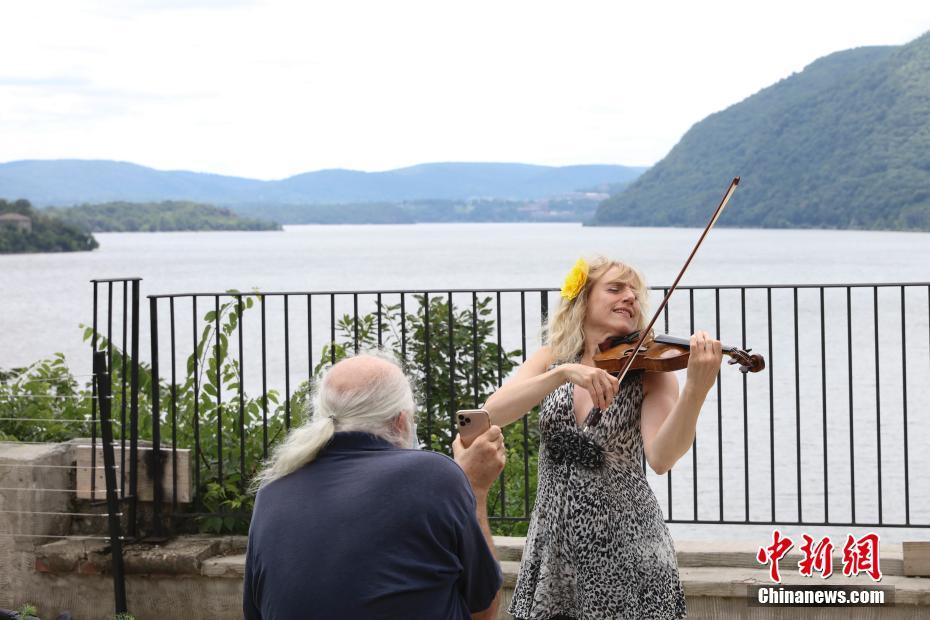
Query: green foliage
{"x": 44, "y": 390}
{"x": 231, "y": 508}
{"x": 449, "y": 376}
{"x": 47, "y": 234}
{"x": 27, "y": 610}
{"x": 843, "y": 144}
{"x": 156, "y": 217}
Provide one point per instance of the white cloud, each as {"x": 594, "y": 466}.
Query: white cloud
{"x": 269, "y": 89}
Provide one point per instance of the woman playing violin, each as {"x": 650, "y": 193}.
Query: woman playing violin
{"x": 597, "y": 545}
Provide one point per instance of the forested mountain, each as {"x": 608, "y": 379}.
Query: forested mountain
{"x": 843, "y": 144}
{"x": 68, "y": 182}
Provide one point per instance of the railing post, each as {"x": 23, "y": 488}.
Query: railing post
{"x": 134, "y": 416}
{"x": 93, "y": 403}
{"x": 102, "y": 378}
{"x": 157, "y": 525}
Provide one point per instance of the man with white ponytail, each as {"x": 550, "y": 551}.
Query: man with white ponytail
{"x": 350, "y": 522}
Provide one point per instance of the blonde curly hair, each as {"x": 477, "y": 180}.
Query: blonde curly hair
{"x": 565, "y": 332}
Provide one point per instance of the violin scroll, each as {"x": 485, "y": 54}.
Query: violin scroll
{"x": 747, "y": 363}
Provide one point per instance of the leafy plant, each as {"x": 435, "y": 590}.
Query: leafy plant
{"x": 27, "y": 610}
{"x": 48, "y": 400}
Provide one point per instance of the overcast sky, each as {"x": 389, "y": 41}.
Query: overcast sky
{"x": 268, "y": 89}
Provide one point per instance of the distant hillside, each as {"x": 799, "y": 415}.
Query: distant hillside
{"x": 23, "y": 230}
{"x": 68, "y": 182}
{"x": 843, "y": 144}
{"x": 155, "y": 217}
{"x": 574, "y": 208}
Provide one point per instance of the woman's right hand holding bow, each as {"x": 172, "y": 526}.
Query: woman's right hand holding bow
{"x": 600, "y": 384}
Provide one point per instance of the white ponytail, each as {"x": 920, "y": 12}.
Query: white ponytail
{"x": 300, "y": 447}
{"x": 369, "y": 401}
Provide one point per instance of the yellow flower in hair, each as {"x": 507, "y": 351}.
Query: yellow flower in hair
{"x": 575, "y": 280}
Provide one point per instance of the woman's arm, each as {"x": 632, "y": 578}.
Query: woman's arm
{"x": 668, "y": 420}
{"x": 534, "y": 380}
{"x": 532, "y": 383}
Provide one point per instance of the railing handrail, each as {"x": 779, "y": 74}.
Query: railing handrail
{"x": 105, "y": 280}
{"x": 531, "y": 289}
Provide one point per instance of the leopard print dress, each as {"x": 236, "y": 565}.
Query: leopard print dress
{"x": 597, "y": 545}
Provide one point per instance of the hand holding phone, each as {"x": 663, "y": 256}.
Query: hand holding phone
{"x": 471, "y": 423}
{"x": 482, "y": 461}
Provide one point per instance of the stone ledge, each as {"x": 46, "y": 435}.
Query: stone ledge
{"x": 510, "y": 570}
{"x": 509, "y": 548}
{"x": 229, "y": 566}
{"x": 180, "y": 556}
{"x": 722, "y": 569}
{"x": 68, "y": 556}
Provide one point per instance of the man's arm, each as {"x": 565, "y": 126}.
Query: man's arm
{"x": 249, "y": 610}
{"x": 482, "y": 463}
{"x": 482, "y": 513}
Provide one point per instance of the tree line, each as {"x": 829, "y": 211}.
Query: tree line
{"x": 46, "y": 234}
{"x": 156, "y": 217}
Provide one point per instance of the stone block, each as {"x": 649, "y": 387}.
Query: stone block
{"x": 916, "y": 558}
{"x": 144, "y": 456}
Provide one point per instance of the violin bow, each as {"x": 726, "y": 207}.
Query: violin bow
{"x": 595, "y": 414}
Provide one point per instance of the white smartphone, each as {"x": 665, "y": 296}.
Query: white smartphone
{"x": 472, "y": 422}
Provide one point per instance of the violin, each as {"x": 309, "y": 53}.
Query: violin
{"x": 663, "y": 353}
{"x": 626, "y": 359}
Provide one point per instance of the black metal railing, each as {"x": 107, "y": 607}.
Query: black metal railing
{"x": 829, "y": 347}
{"x": 821, "y": 437}
{"x": 126, "y": 342}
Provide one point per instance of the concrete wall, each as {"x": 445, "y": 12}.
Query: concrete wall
{"x": 29, "y": 467}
